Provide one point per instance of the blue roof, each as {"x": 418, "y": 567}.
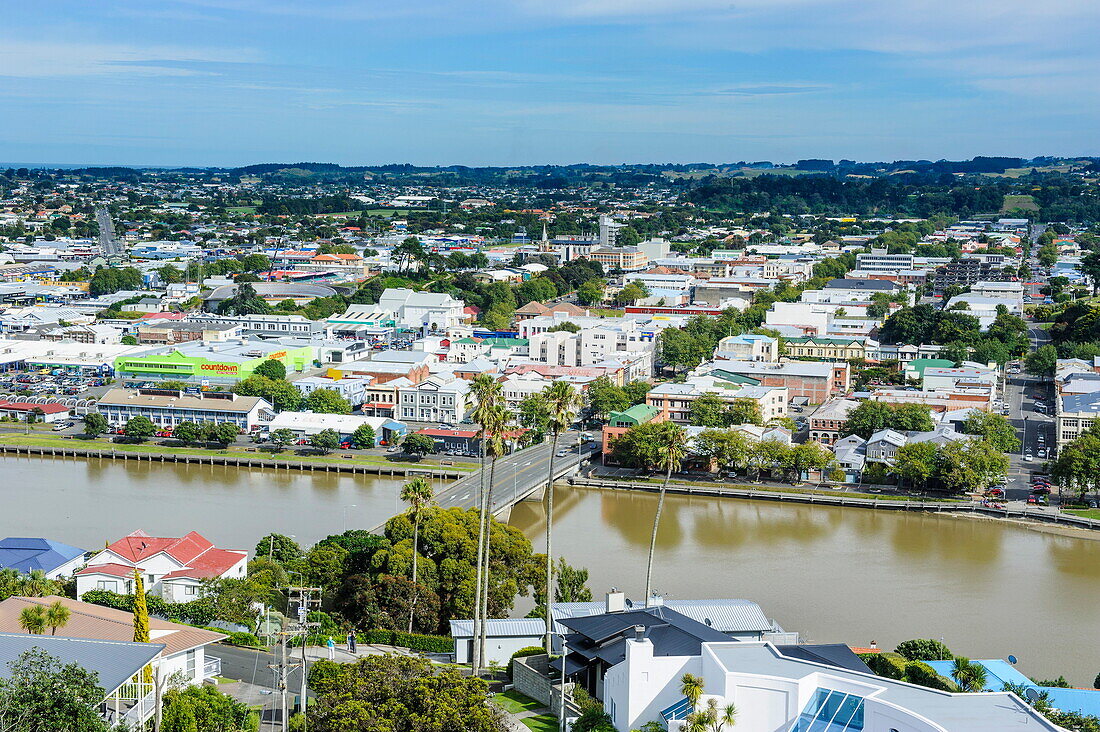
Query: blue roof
{"x": 998, "y": 672}
{"x": 24, "y": 554}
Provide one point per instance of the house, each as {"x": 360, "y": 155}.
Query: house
{"x": 412, "y": 309}
{"x": 172, "y": 568}
{"x": 773, "y": 687}
{"x": 184, "y": 646}
{"x": 884, "y": 444}
{"x": 851, "y": 456}
{"x": 436, "y": 399}
{"x": 827, "y": 421}
{"x": 114, "y": 663}
{"x": 748, "y": 347}
{"x": 503, "y": 637}
{"x": 53, "y": 558}
{"x": 619, "y": 423}
{"x": 22, "y": 411}
{"x": 826, "y": 349}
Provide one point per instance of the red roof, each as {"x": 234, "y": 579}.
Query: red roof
{"x": 139, "y": 546}
{"x": 112, "y": 568}
{"x": 213, "y": 563}
{"x": 28, "y": 407}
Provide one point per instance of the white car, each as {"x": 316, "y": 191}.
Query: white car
{"x": 1028, "y": 458}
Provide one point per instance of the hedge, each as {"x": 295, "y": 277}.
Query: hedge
{"x": 918, "y": 672}
{"x": 524, "y": 653}
{"x": 196, "y": 612}
{"x": 890, "y": 665}
{"x": 412, "y": 641}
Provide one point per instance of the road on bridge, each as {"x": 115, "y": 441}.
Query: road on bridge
{"x": 518, "y": 474}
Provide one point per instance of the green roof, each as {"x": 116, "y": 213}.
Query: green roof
{"x": 733, "y": 378}
{"x": 638, "y": 414}
{"x": 920, "y": 364}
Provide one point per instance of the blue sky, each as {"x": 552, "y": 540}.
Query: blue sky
{"x": 503, "y": 82}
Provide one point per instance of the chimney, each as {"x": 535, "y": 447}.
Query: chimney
{"x": 614, "y": 601}
{"x": 639, "y": 632}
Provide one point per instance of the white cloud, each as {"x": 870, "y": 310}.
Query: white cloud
{"x": 44, "y": 59}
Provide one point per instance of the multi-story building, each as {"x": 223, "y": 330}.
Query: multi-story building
{"x": 627, "y": 259}
{"x": 167, "y": 408}
{"x": 817, "y": 382}
{"x": 829, "y": 419}
{"x": 826, "y": 349}
{"x": 172, "y": 332}
{"x": 748, "y": 347}
{"x": 969, "y": 270}
{"x": 413, "y": 309}
{"x": 880, "y": 260}
{"x": 436, "y": 399}
{"x": 1075, "y": 413}
{"x": 264, "y": 325}
{"x": 675, "y": 399}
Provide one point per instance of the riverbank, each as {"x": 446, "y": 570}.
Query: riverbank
{"x": 46, "y": 444}
{"x": 885, "y": 502}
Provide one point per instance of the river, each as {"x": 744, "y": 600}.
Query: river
{"x": 847, "y": 575}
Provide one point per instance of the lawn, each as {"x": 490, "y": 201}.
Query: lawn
{"x": 513, "y": 702}
{"x": 1014, "y": 201}
{"x": 242, "y": 209}
{"x": 541, "y": 723}
{"x": 1089, "y": 513}
{"x": 50, "y": 440}
{"x": 608, "y": 312}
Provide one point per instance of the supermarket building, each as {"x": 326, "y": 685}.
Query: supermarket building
{"x": 224, "y": 362}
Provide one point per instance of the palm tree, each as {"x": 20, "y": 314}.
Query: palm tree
{"x": 37, "y": 584}
{"x": 671, "y": 449}
{"x": 494, "y": 448}
{"x": 970, "y": 677}
{"x": 57, "y": 616}
{"x": 418, "y": 494}
{"x": 691, "y": 686}
{"x": 33, "y": 619}
{"x": 486, "y": 392}
{"x": 562, "y": 401}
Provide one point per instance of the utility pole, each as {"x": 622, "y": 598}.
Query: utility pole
{"x": 282, "y": 671}
{"x": 307, "y": 599}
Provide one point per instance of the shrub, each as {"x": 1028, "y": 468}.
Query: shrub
{"x": 243, "y": 639}
{"x": 532, "y": 651}
{"x": 924, "y": 649}
{"x": 917, "y": 672}
{"x": 889, "y": 665}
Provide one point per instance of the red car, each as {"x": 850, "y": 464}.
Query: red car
{"x": 996, "y": 492}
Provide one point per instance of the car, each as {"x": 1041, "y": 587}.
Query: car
{"x": 1041, "y": 490}
{"x": 1041, "y": 452}
{"x": 345, "y": 445}
{"x": 1028, "y": 458}
{"x": 60, "y": 426}
{"x": 1041, "y": 438}
{"x": 996, "y": 492}
{"x": 561, "y": 453}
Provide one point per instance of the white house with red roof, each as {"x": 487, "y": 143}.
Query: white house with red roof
{"x": 170, "y": 568}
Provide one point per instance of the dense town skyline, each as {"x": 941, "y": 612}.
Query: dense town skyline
{"x": 195, "y": 82}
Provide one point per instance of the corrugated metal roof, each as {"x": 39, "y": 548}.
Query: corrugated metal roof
{"x": 114, "y": 661}
{"x": 724, "y": 615}
{"x": 500, "y": 627}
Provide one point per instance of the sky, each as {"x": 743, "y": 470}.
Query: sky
{"x": 517, "y": 82}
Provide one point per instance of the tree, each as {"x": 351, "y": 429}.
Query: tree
{"x": 33, "y": 619}
{"x": 95, "y": 424}
{"x": 534, "y": 413}
{"x": 57, "y": 616}
{"x": 635, "y": 391}
{"x": 282, "y": 395}
{"x": 807, "y": 457}
{"x": 1047, "y": 254}
{"x": 327, "y": 401}
{"x": 591, "y": 292}
{"x": 187, "y": 432}
{"x": 867, "y": 419}
{"x": 363, "y": 438}
{"x": 562, "y": 401}
{"x": 139, "y": 428}
{"x": 205, "y": 709}
{"x": 916, "y": 462}
{"x": 692, "y": 687}
{"x": 282, "y": 438}
{"x": 128, "y": 340}
{"x": 724, "y": 447}
{"x": 570, "y": 585}
{"x": 970, "y": 677}
{"x": 672, "y": 448}
{"x": 399, "y": 694}
{"x": 418, "y": 494}
{"x": 244, "y": 301}
{"x": 911, "y": 418}
{"x": 1042, "y": 361}
{"x": 279, "y": 548}
{"x": 605, "y": 397}
{"x": 924, "y": 649}
{"x": 141, "y": 620}
{"x": 326, "y": 440}
{"x": 567, "y": 327}
{"x": 994, "y": 429}
{"x": 418, "y": 445}
{"x": 708, "y": 410}
{"x": 271, "y": 369}
{"x": 744, "y": 410}
{"x": 43, "y": 695}
{"x": 971, "y": 465}
{"x": 221, "y": 432}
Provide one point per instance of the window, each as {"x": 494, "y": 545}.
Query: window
{"x": 189, "y": 589}
{"x": 110, "y": 585}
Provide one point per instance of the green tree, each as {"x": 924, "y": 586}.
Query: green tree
{"x": 33, "y": 619}
{"x": 724, "y": 447}
{"x": 418, "y": 445}
{"x": 672, "y": 448}
{"x": 279, "y": 548}
{"x": 95, "y": 424}
{"x": 187, "y": 432}
{"x": 363, "y": 438}
{"x": 205, "y": 709}
{"x": 605, "y": 397}
{"x": 867, "y": 419}
{"x": 128, "y": 340}
{"x": 271, "y": 368}
{"x": 40, "y": 694}
{"x": 708, "y": 410}
{"x": 327, "y": 401}
{"x": 220, "y": 432}
{"x": 282, "y": 395}
{"x": 994, "y": 429}
{"x": 591, "y": 292}
{"x": 1042, "y": 361}
{"x": 744, "y": 410}
{"x": 399, "y": 694}
{"x": 1047, "y": 255}
{"x": 636, "y": 391}
{"x": 692, "y": 687}
{"x": 326, "y": 440}
{"x": 141, "y": 620}
{"x": 139, "y": 428}
{"x": 971, "y": 465}
{"x": 534, "y": 413}
{"x": 916, "y": 462}
{"x": 970, "y": 677}
{"x": 418, "y": 494}
{"x": 924, "y": 649}
{"x": 282, "y": 438}
{"x": 911, "y": 418}
{"x": 57, "y": 616}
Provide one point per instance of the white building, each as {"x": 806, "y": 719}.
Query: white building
{"x": 171, "y": 568}
{"x": 413, "y": 309}
{"x": 436, "y": 399}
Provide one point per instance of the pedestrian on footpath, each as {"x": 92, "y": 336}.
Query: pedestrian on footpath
{"x": 331, "y": 644}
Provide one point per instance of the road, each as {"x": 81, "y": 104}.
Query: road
{"x": 517, "y": 474}
{"x": 108, "y": 242}
{"x": 243, "y": 664}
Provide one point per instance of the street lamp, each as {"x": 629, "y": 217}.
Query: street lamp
{"x": 346, "y": 516}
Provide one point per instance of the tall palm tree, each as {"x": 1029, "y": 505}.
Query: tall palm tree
{"x": 418, "y": 494}
{"x": 33, "y": 619}
{"x": 486, "y": 393}
{"x": 562, "y": 401}
{"x": 57, "y": 616}
{"x": 671, "y": 449}
{"x": 37, "y": 584}
{"x": 494, "y": 447}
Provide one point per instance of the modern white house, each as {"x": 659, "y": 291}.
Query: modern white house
{"x": 413, "y": 309}
{"x": 171, "y": 568}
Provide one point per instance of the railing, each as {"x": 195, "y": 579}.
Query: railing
{"x": 212, "y": 668}
{"x": 142, "y": 710}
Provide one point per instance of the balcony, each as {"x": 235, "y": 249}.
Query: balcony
{"x": 212, "y": 667}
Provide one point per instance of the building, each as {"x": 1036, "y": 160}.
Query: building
{"x": 801, "y": 688}
{"x": 675, "y": 399}
{"x": 1075, "y": 413}
{"x": 28, "y": 554}
{"x": 297, "y": 326}
{"x": 619, "y": 423}
{"x": 503, "y": 637}
{"x": 351, "y": 388}
{"x": 436, "y": 399}
{"x": 880, "y": 260}
{"x": 748, "y": 347}
{"x": 171, "y": 568}
{"x": 184, "y": 646}
{"x": 217, "y": 362}
{"x": 307, "y": 424}
{"x": 24, "y": 411}
{"x": 626, "y": 259}
{"x": 173, "y": 332}
{"x": 412, "y": 309}
{"x": 817, "y": 382}
{"x": 829, "y": 419}
{"x": 968, "y": 271}
{"x": 167, "y": 408}
{"x": 826, "y": 348}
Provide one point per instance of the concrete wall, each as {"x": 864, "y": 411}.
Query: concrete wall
{"x": 531, "y": 677}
